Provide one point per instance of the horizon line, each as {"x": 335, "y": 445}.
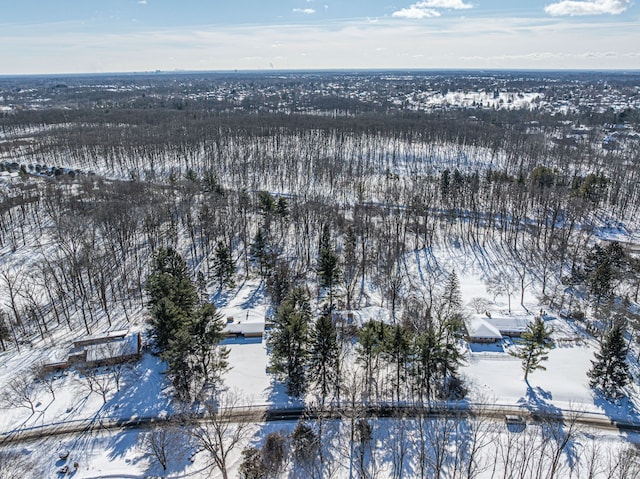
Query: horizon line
{"x": 319, "y": 70}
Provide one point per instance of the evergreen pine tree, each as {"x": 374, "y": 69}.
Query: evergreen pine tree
{"x": 201, "y": 283}
{"x": 397, "y": 350}
{"x": 179, "y": 365}
{"x": 172, "y": 295}
{"x": 266, "y": 203}
{"x": 532, "y": 351}
{"x": 371, "y": 340}
{"x": 279, "y": 282}
{"x": 426, "y": 349}
{"x": 193, "y": 355}
{"x": 289, "y": 341}
{"x": 205, "y": 331}
{"x": 282, "y": 207}
{"x": 223, "y": 267}
{"x": 602, "y": 265}
{"x": 450, "y": 314}
{"x": 600, "y": 282}
{"x": 166, "y": 320}
{"x": 306, "y": 448}
{"x": 328, "y": 264}
{"x": 452, "y": 298}
{"x": 324, "y": 357}
{"x": 436, "y": 359}
{"x": 445, "y": 184}
{"x": 260, "y": 253}
{"x": 169, "y": 278}
{"x": 187, "y": 332}
{"x": 610, "y": 372}
{"x": 615, "y": 254}
{"x": 252, "y": 466}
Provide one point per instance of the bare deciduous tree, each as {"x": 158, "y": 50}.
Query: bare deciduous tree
{"x": 479, "y": 305}
{"x": 560, "y": 435}
{"x": 166, "y": 442}
{"x": 221, "y": 430}
{"x": 480, "y": 434}
{"x": 17, "y": 465}
{"x": 97, "y": 380}
{"x": 502, "y": 284}
{"x": 45, "y": 377}
{"x": 20, "y": 392}
{"x": 13, "y": 282}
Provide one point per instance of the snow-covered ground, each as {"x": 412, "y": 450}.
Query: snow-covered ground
{"x": 492, "y": 374}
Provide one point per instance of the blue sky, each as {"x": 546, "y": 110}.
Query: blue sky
{"x": 86, "y": 36}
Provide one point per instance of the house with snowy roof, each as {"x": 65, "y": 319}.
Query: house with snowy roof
{"x": 104, "y": 349}
{"x": 489, "y": 328}
{"x": 481, "y": 331}
{"x": 243, "y": 329}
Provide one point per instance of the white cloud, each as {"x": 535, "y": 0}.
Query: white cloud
{"x": 472, "y": 42}
{"x": 452, "y": 4}
{"x": 428, "y": 8}
{"x": 592, "y": 7}
{"x": 305, "y": 11}
{"x": 142, "y": 2}
{"x": 416, "y": 12}
{"x": 546, "y": 56}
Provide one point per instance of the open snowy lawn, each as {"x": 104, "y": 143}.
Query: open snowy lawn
{"x": 141, "y": 395}
{"x": 564, "y": 384}
{"x": 247, "y": 303}
{"x": 248, "y": 376}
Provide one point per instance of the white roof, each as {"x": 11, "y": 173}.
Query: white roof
{"x": 246, "y": 327}
{"x": 480, "y": 328}
{"x": 119, "y": 333}
{"x": 112, "y": 350}
{"x": 510, "y": 323}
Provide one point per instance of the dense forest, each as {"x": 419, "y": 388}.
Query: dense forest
{"x": 108, "y": 186}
